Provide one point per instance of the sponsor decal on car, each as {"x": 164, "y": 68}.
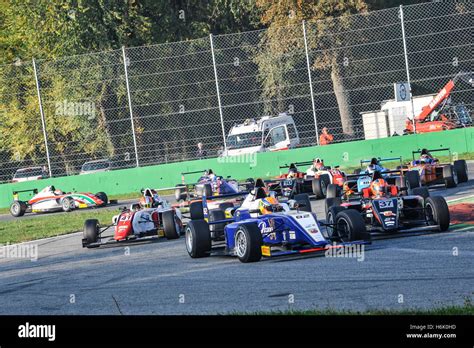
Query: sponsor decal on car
{"x": 262, "y": 225}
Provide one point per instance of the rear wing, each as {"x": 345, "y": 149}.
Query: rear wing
{"x": 183, "y": 174}
{"x": 362, "y": 162}
{"x": 304, "y": 163}
{"x": 433, "y": 150}
{"x": 15, "y": 193}
{"x": 374, "y": 175}
{"x": 158, "y": 190}
{"x": 205, "y": 199}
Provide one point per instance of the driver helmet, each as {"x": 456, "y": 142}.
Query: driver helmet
{"x": 269, "y": 205}
{"x": 378, "y": 187}
{"x": 156, "y": 197}
{"x": 318, "y": 163}
{"x": 146, "y": 201}
{"x": 292, "y": 171}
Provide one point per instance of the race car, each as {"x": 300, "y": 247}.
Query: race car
{"x": 208, "y": 184}
{"x": 314, "y": 181}
{"x": 262, "y": 226}
{"x": 385, "y": 210}
{"x": 139, "y": 222}
{"x": 433, "y": 172}
{"x": 51, "y": 199}
{"x": 362, "y": 178}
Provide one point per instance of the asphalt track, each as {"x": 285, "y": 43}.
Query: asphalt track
{"x": 422, "y": 271}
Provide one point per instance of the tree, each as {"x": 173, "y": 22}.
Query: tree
{"x": 284, "y": 35}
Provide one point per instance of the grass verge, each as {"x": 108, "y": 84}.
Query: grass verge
{"x": 466, "y": 309}
{"x": 26, "y": 229}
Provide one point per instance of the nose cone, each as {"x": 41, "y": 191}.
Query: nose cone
{"x": 124, "y": 228}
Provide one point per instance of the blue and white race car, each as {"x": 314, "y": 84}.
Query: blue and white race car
{"x": 262, "y": 226}
{"x": 363, "y": 177}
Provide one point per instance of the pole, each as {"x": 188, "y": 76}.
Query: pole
{"x": 130, "y": 104}
{"x": 43, "y": 121}
{"x": 308, "y": 64}
{"x": 407, "y": 67}
{"x": 218, "y": 92}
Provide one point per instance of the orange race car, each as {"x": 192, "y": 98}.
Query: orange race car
{"x": 433, "y": 172}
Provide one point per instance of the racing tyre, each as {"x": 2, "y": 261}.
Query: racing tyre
{"x": 67, "y": 204}
{"x": 216, "y": 215}
{"x": 196, "y": 210}
{"x": 450, "y": 176}
{"x": 421, "y": 191}
{"x": 330, "y": 202}
{"x": 350, "y": 226}
{"x": 248, "y": 243}
{"x": 437, "y": 212}
{"x": 331, "y": 218}
{"x": 18, "y": 208}
{"x": 207, "y": 190}
{"x": 180, "y": 193}
{"x": 332, "y": 191}
{"x": 303, "y": 200}
{"x": 399, "y": 184}
{"x": 412, "y": 179}
{"x": 460, "y": 167}
{"x": 198, "y": 238}
{"x": 103, "y": 197}
{"x": 203, "y": 190}
{"x": 91, "y": 231}
{"x": 320, "y": 186}
{"x": 170, "y": 225}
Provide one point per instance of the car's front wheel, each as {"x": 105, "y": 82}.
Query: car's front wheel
{"x": 248, "y": 243}
{"x": 91, "y": 231}
{"x": 437, "y": 212}
{"x": 198, "y": 238}
{"x": 67, "y": 204}
{"x": 170, "y": 225}
{"x": 350, "y": 226}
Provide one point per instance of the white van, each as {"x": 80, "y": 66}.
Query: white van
{"x": 266, "y": 134}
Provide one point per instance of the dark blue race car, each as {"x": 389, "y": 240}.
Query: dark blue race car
{"x": 262, "y": 226}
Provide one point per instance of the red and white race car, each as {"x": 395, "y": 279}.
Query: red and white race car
{"x": 50, "y": 199}
{"x": 151, "y": 218}
{"x": 315, "y": 180}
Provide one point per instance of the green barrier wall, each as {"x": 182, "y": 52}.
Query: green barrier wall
{"x": 168, "y": 175}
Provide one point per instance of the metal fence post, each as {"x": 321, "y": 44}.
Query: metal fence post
{"x": 217, "y": 90}
{"x": 308, "y": 64}
{"x": 407, "y": 67}
{"x": 43, "y": 121}
{"x": 130, "y": 104}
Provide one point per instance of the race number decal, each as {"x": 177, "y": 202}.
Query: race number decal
{"x": 386, "y": 204}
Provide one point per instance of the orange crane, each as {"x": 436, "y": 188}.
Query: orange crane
{"x": 440, "y": 114}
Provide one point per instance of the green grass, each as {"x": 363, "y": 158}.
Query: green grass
{"x": 466, "y": 309}
{"x": 25, "y": 229}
